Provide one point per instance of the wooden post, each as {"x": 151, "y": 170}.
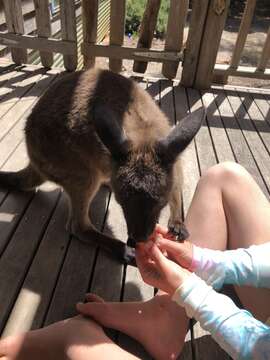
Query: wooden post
{"x": 174, "y": 34}
{"x": 68, "y": 30}
{"x": 44, "y": 28}
{"x": 195, "y": 34}
{"x": 89, "y": 19}
{"x": 117, "y": 29}
{"x": 147, "y": 30}
{"x": 265, "y": 54}
{"x": 14, "y": 20}
{"x": 215, "y": 22}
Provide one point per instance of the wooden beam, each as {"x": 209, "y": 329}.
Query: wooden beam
{"x": 174, "y": 35}
{"x": 242, "y": 71}
{"x": 43, "y": 23}
{"x": 147, "y": 30}
{"x": 14, "y": 20}
{"x": 68, "y": 31}
{"x": 195, "y": 34}
{"x": 37, "y": 43}
{"x": 117, "y": 29}
{"x": 215, "y": 22}
{"x": 116, "y": 52}
{"x": 89, "y": 20}
{"x": 265, "y": 53}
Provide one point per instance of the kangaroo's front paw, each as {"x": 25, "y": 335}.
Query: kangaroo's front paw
{"x": 178, "y": 229}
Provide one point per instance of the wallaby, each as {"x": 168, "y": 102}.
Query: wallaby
{"x": 93, "y": 127}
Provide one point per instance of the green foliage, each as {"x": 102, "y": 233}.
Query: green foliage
{"x": 135, "y": 11}
{"x": 163, "y": 18}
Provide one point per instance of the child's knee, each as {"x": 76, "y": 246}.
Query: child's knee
{"x": 225, "y": 174}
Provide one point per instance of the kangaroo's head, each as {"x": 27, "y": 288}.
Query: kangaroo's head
{"x": 142, "y": 179}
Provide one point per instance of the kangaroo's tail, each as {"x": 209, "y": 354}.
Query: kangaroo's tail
{"x": 25, "y": 179}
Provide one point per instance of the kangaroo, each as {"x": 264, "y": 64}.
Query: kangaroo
{"x": 93, "y": 127}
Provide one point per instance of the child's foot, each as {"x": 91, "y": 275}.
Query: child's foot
{"x": 159, "y": 324}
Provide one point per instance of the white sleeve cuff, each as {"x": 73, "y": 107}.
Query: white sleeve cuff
{"x": 191, "y": 294}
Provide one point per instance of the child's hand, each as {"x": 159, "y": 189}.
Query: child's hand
{"x": 179, "y": 252}
{"x": 157, "y": 270}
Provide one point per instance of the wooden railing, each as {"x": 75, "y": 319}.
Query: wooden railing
{"x": 19, "y": 42}
{"x": 197, "y": 57}
{"x": 260, "y": 71}
{"x": 116, "y": 52}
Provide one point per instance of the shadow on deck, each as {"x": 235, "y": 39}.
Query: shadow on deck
{"x": 43, "y": 270}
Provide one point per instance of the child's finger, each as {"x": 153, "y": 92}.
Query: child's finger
{"x": 159, "y": 229}
{"x": 168, "y": 245}
{"x": 156, "y": 255}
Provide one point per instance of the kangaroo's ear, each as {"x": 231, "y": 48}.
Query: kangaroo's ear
{"x": 180, "y": 136}
{"x": 110, "y": 132}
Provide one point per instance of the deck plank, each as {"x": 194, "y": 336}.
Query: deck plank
{"x": 262, "y": 105}
{"x": 33, "y": 299}
{"x": 13, "y": 204}
{"x": 204, "y": 146}
{"x": 251, "y": 136}
{"x": 218, "y": 133}
{"x": 78, "y": 264}
{"x": 258, "y": 121}
{"x": 12, "y": 123}
{"x": 18, "y": 255}
{"x": 238, "y": 142}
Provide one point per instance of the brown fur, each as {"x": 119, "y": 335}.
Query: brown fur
{"x": 65, "y": 146}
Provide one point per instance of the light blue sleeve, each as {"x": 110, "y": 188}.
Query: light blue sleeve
{"x": 235, "y": 330}
{"x": 240, "y": 267}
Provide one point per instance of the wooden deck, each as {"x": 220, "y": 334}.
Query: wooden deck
{"x": 43, "y": 271}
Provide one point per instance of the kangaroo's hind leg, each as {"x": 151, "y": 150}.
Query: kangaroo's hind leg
{"x": 80, "y": 225}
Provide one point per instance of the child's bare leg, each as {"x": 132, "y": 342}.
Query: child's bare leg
{"x": 72, "y": 339}
{"x": 230, "y": 211}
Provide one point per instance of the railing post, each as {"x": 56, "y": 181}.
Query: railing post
{"x": 174, "y": 35}
{"x": 194, "y": 41}
{"x": 15, "y": 25}
{"x": 147, "y": 30}
{"x": 214, "y": 26}
{"x": 69, "y": 31}
{"x": 43, "y": 23}
{"x": 89, "y": 18}
{"x": 265, "y": 54}
{"x": 117, "y": 29}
